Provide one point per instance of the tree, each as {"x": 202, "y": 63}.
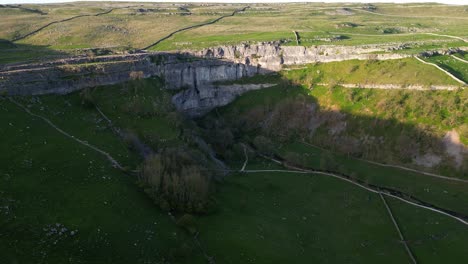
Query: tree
{"x": 176, "y": 182}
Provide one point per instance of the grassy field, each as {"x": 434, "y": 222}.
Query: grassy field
{"x": 49, "y": 182}
{"x": 271, "y": 217}
{"x": 136, "y": 25}
{"x": 279, "y": 217}
{"x": 430, "y": 236}
{"x": 439, "y": 192}
{"x": 62, "y": 202}
{"x": 404, "y": 71}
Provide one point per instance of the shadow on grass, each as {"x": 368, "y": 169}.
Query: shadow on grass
{"x": 290, "y": 112}
{"x": 14, "y": 53}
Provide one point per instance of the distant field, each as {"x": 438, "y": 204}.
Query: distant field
{"x": 136, "y": 25}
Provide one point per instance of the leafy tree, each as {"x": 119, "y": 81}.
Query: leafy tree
{"x": 176, "y": 182}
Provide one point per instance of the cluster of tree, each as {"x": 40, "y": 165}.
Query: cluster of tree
{"x": 176, "y": 181}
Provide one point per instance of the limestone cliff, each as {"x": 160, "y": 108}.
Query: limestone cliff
{"x": 193, "y": 71}
{"x": 271, "y": 56}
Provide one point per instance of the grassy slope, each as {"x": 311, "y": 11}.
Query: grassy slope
{"x": 454, "y": 66}
{"x": 130, "y": 28}
{"x": 314, "y": 21}
{"x": 158, "y": 130}
{"x": 443, "y": 193}
{"x": 439, "y": 110}
{"x": 271, "y": 217}
{"x": 433, "y": 238}
{"x": 280, "y": 217}
{"x": 47, "y": 178}
{"x": 402, "y": 71}
{"x": 121, "y": 30}
{"x": 259, "y": 216}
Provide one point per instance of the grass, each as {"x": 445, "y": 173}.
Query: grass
{"x": 134, "y": 26}
{"x": 441, "y": 110}
{"x": 158, "y": 128}
{"x": 433, "y": 238}
{"x": 10, "y": 53}
{"x": 286, "y": 217}
{"x": 300, "y": 218}
{"x": 47, "y": 179}
{"x": 442, "y": 193}
{"x": 458, "y": 68}
{"x": 402, "y": 71}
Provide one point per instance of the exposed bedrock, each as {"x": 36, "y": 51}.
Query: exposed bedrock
{"x": 193, "y": 71}
{"x": 272, "y": 57}
{"x": 198, "y": 102}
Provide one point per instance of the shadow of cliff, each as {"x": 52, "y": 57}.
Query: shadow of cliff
{"x": 283, "y": 112}
{"x": 288, "y": 113}
{"x": 23, "y": 53}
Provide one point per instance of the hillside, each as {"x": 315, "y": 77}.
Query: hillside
{"x": 232, "y": 133}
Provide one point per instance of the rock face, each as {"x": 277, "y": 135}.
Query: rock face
{"x": 195, "y": 72}
{"x": 198, "y": 102}
{"x": 61, "y": 77}
{"x": 271, "y": 56}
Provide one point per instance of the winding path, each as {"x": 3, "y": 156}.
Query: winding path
{"x": 114, "y": 162}
{"x": 460, "y": 59}
{"x": 397, "y": 166}
{"x": 246, "y": 158}
{"x": 196, "y": 26}
{"x": 447, "y": 36}
{"x": 294, "y": 169}
{"x": 402, "y": 238}
{"x": 400, "y": 34}
{"x": 391, "y": 15}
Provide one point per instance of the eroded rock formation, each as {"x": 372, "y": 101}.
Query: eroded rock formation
{"x": 193, "y": 71}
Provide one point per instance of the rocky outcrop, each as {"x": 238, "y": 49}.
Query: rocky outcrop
{"x": 272, "y": 56}
{"x": 61, "y": 77}
{"x": 193, "y": 71}
{"x": 198, "y": 102}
